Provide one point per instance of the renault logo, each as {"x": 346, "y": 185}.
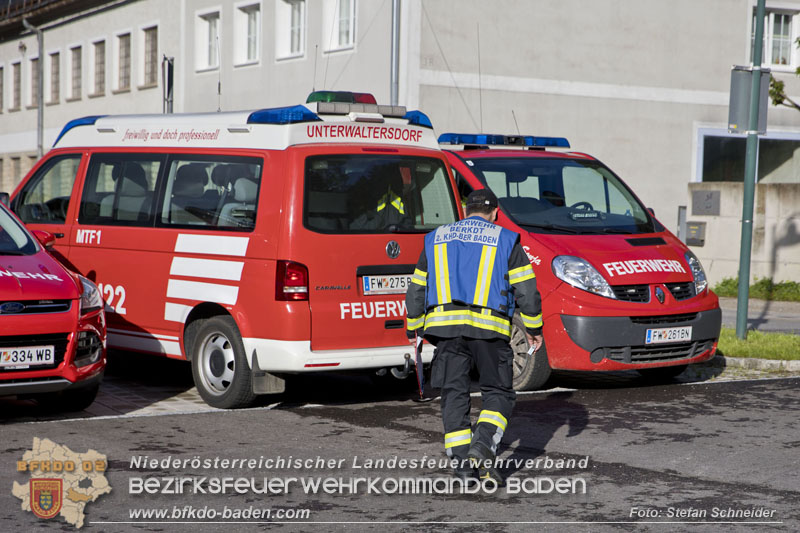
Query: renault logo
{"x": 660, "y": 295}
{"x": 392, "y": 249}
{"x": 11, "y": 307}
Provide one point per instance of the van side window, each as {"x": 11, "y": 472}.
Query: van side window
{"x": 45, "y": 198}
{"x": 119, "y": 189}
{"x": 218, "y": 192}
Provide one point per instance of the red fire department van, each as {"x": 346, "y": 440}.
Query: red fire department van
{"x": 52, "y": 325}
{"x": 619, "y": 291}
{"x": 254, "y": 244}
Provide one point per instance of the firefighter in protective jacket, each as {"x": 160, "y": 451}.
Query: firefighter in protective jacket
{"x": 462, "y": 298}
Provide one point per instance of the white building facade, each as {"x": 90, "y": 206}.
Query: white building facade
{"x": 641, "y": 84}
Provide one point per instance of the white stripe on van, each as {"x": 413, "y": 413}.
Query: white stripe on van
{"x": 211, "y": 244}
{"x": 176, "y": 312}
{"x": 206, "y": 268}
{"x": 151, "y": 344}
{"x": 204, "y": 292}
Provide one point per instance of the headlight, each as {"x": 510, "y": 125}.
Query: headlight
{"x": 90, "y": 297}
{"x": 579, "y": 273}
{"x": 699, "y": 275}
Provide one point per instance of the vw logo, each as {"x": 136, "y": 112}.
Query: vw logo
{"x": 11, "y": 307}
{"x": 660, "y": 295}
{"x": 392, "y": 249}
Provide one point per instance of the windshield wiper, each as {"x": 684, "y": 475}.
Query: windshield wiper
{"x": 399, "y": 228}
{"x": 11, "y": 252}
{"x": 615, "y": 230}
{"x": 552, "y": 227}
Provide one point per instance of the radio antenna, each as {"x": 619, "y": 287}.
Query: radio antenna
{"x": 219, "y": 76}
{"x": 480, "y": 89}
{"x": 515, "y": 122}
{"x": 314, "y": 81}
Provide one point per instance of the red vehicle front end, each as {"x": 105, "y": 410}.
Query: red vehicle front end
{"x": 619, "y": 291}
{"x": 52, "y": 323}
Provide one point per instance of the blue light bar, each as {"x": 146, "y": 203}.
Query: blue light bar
{"x": 418, "y": 118}
{"x": 283, "y": 115}
{"x": 503, "y": 140}
{"x": 83, "y": 121}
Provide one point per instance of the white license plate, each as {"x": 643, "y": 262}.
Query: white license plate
{"x": 395, "y": 284}
{"x": 27, "y": 356}
{"x": 661, "y": 335}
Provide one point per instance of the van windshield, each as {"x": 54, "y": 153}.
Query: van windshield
{"x": 565, "y": 196}
{"x": 367, "y": 193}
{"x": 14, "y": 240}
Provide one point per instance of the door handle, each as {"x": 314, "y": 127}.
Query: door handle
{"x": 59, "y": 235}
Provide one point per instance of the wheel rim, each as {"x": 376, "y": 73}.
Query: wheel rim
{"x": 217, "y": 363}
{"x": 519, "y": 345}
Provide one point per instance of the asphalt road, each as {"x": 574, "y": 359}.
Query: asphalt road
{"x": 652, "y": 454}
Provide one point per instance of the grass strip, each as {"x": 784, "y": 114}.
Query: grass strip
{"x": 763, "y": 289}
{"x": 759, "y": 344}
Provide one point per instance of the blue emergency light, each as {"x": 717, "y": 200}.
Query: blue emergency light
{"x": 83, "y": 121}
{"x": 283, "y": 115}
{"x": 503, "y": 140}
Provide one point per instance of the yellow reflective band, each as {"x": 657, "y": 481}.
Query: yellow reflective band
{"x": 442, "y": 273}
{"x": 493, "y": 417}
{"x": 395, "y": 200}
{"x": 458, "y": 438}
{"x": 420, "y": 277}
{"x": 520, "y": 274}
{"x": 484, "y": 281}
{"x": 398, "y": 204}
{"x": 465, "y": 317}
{"x": 531, "y": 321}
{"x": 415, "y": 323}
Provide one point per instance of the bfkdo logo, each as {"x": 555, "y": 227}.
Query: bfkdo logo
{"x": 61, "y": 482}
{"x": 46, "y": 496}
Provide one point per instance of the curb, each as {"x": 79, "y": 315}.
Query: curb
{"x": 757, "y": 364}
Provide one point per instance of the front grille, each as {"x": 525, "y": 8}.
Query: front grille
{"x": 58, "y": 340}
{"x": 41, "y": 306}
{"x": 664, "y": 319}
{"x": 632, "y": 293}
{"x": 657, "y": 353}
{"x": 681, "y": 291}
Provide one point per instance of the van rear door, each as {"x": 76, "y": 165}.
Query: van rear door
{"x": 365, "y": 212}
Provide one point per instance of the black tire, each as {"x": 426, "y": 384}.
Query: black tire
{"x": 530, "y": 372}
{"x": 662, "y": 374}
{"x": 69, "y": 401}
{"x": 219, "y": 364}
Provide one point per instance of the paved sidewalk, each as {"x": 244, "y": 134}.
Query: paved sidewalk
{"x": 763, "y": 315}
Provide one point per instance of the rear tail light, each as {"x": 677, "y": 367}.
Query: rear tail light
{"x": 291, "y": 281}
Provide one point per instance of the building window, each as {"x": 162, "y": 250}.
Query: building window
{"x": 151, "y": 56}
{"x": 16, "y": 169}
{"x": 247, "y": 29}
{"x": 721, "y": 156}
{"x": 75, "y": 72}
{"x": 16, "y": 95}
{"x": 208, "y": 41}
{"x": 124, "y": 73}
{"x": 2, "y": 88}
{"x": 345, "y": 22}
{"x": 339, "y": 19}
{"x": 100, "y": 67}
{"x": 55, "y": 77}
{"x": 290, "y": 27}
{"x": 34, "y": 82}
{"x": 779, "y": 37}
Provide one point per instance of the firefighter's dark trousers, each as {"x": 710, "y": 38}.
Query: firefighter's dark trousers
{"x": 493, "y": 360}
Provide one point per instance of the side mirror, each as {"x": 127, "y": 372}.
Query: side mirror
{"x": 4, "y": 198}
{"x": 45, "y": 238}
{"x": 651, "y": 211}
